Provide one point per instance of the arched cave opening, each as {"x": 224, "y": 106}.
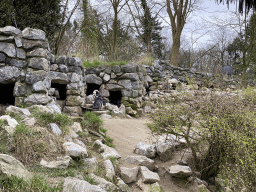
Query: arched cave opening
{"x": 60, "y": 91}
{"x": 7, "y": 98}
{"x": 115, "y": 97}
{"x": 91, "y": 87}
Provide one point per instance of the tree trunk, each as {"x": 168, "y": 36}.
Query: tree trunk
{"x": 174, "y": 58}
{"x": 113, "y": 46}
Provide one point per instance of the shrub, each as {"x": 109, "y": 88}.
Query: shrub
{"x": 249, "y": 95}
{"x": 227, "y": 124}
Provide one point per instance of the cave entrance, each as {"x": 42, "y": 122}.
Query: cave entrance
{"x": 6, "y": 98}
{"x": 91, "y": 87}
{"x": 60, "y": 94}
{"x": 115, "y": 97}
{"x": 60, "y": 91}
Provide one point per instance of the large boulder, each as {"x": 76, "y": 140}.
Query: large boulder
{"x": 9, "y": 166}
{"x": 148, "y": 176}
{"x": 109, "y": 168}
{"x": 166, "y": 144}
{"x": 105, "y": 150}
{"x": 155, "y": 187}
{"x": 55, "y": 129}
{"x": 103, "y": 183}
{"x": 16, "y": 63}
{"x": 34, "y": 34}
{"x": 38, "y": 63}
{"x": 35, "y": 76}
{"x": 30, "y": 44}
{"x": 37, "y": 99}
{"x": 125, "y": 84}
{"x": 8, "y": 49}
{"x": 74, "y": 150}
{"x": 129, "y": 68}
{"x": 57, "y": 77}
{"x": 40, "y": 109}
{"x": 9, "y": 74}
{"x": 74, "y": 61}
{"x": 145, "y": 149}
{"x": 10, "y": 30}
{"x": 11, "y": 124}
{"x": 122, "y": 186}
{"x": 180, "y": 171}
{"x": 39, "y": 87}
{"x": 131, "y": 76}
{"x": 129, "y": 175}
{"x": 113, "y": 87}
{"x": 77, "y": 185}
{"x": 142, "y": 161}
{"x": 92, "y": 78}
{"x": 90, "y": 164}
{"x": 39, "y": 52}
{"x": 61, "y": 163}
{"x": 12, "y": 110}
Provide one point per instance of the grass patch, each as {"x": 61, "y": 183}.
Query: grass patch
{"x": 90, "y": 180}
{"x": 5, "y": 139}
{"x": 103, "y": 130}
{"x": 63, "y": 120}
{"x": 97, "y": 63}
{"x": 31, "y": 146}
{"x": 92, "y": 121}
{"x": 109, "y": 141}
{"x": 38, "y": 183}
{"x": 145, "y": 59}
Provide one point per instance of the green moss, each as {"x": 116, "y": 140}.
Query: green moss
{"x": 97, "y": 63}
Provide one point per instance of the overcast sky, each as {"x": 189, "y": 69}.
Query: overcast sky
{"x": 201, "y": 24}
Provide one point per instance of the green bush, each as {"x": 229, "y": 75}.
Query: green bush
{"x": 249, "y": 95}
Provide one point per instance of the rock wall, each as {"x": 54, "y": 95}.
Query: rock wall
{"x": 26, "y": 62}
{"x": 162, "y": 70}
{"x": 39, "y": 78}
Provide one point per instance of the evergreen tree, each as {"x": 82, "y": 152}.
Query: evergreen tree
{"x": 40, "y": 14}
{"x": 90, "y": 31}
{"x": 243, "y": 47}
{"x": 151, "y": 29}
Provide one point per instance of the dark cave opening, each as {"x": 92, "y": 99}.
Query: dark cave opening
{"x": 60, "y": 91}
{"x": 7, "y": 98}
{"x": 91, "y": 87}
{"x": 115, "y": 97}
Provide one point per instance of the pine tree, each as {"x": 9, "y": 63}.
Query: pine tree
{"x": 43, "y": 14}
{"x": 90, "y": 31}
{"x": 151, "y": 29}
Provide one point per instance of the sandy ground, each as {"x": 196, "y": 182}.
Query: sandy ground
{"x": 127, "y": 133}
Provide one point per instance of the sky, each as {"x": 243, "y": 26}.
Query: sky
{"x": 201, "y": 26}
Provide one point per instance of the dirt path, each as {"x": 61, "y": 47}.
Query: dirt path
{"x": 127, "y": 133}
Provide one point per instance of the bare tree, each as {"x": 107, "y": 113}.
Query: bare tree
{"x": 178, "y": 11}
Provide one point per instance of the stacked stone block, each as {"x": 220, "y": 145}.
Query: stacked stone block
{"x": 69, "y": 71}
{"x": 129, "y": 79}
{"x": 24, "y": 58}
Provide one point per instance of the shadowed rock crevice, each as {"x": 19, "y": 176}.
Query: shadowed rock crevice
{"x": 115, "y": 97}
